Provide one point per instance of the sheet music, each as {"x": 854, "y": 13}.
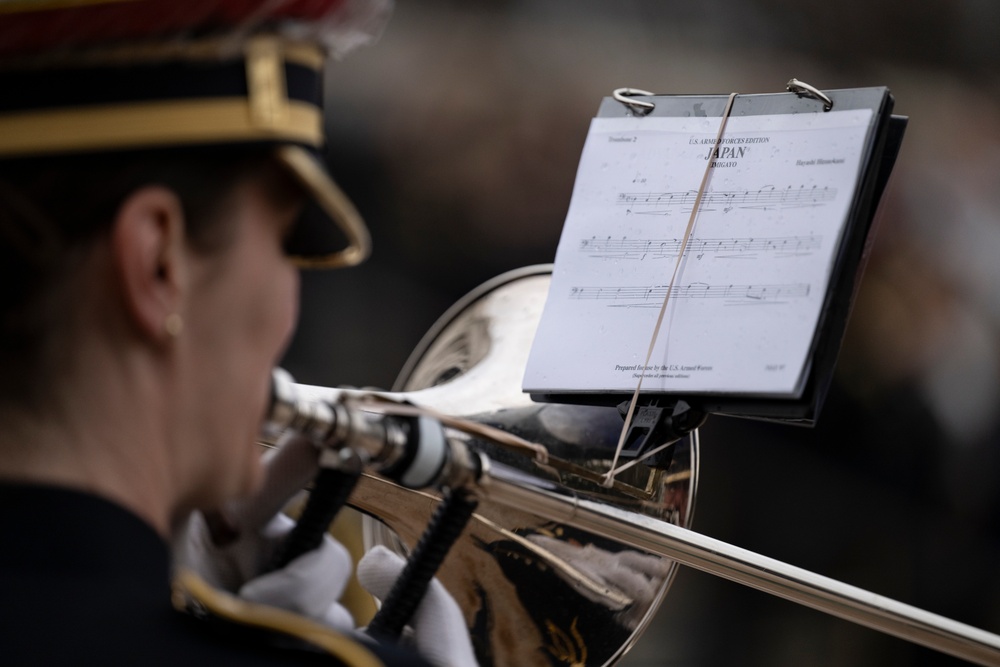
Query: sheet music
{"x": 745, "y": 306}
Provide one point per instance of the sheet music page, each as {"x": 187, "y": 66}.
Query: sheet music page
{"x": 745, "y": 306}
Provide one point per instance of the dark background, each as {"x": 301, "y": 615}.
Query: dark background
{"x": 458, "y": 137}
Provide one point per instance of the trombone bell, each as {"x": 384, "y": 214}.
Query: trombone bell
{"x": 534, "y": 591}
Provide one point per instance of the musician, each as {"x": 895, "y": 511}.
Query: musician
{"x": 159, "y": 192}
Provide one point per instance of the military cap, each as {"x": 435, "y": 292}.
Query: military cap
{"x": 109, "y": 76}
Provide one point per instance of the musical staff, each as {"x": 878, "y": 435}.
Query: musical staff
{"x": 766, "y": 198}
{"x": 653, "y": 296}
{"x": 746, "y": 247}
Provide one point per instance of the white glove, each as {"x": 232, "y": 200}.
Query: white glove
{"x": 310, "y": 585}
{"x": 439, "y": 629}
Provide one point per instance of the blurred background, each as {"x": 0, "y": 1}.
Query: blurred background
{"x": 458, "y": 137}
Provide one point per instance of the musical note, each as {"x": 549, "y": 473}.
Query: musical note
{"x": 743, "y": 247}
{"x": 765, "y": 198}
{"x": 653, "y": 295}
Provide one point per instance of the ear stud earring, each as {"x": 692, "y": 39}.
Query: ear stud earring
{"x": 173, "y": 325}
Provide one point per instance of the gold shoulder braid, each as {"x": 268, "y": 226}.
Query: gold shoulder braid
{"x": 191, "y": 594}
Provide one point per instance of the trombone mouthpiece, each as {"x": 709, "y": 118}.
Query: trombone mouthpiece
{"x": 412, "y": 449}
{"x": 291, "y": 412}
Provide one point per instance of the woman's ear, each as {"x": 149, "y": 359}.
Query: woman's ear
{"x": 147, "y": 240}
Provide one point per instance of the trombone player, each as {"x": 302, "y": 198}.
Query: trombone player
{"x": 159, "y": 192}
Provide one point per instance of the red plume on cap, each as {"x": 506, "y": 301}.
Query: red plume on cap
{"x": 33, "y": 26}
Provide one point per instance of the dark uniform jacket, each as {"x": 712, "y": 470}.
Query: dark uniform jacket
{"x": 83, "y": 581}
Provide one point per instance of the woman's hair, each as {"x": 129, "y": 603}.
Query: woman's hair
{"x": 52, "y": 209}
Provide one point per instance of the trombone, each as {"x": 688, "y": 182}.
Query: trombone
{"x": 553, "y": 567}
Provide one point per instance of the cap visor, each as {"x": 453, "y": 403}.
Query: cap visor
{"x": 330, "y": 233}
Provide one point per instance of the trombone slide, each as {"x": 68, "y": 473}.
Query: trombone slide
{"x": 754, "y": 570}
